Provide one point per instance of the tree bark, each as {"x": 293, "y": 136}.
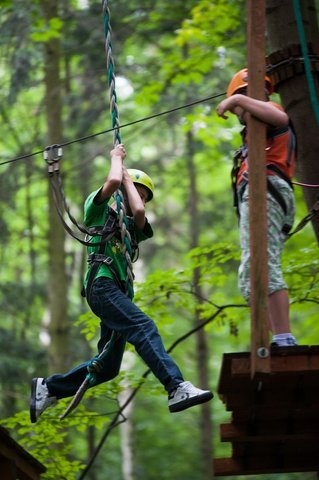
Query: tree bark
{"x": 126, "y": 428}
{"x": 294, "y": 92}
{"x": 57, "y": 282}
{"x": 201, "y": 338}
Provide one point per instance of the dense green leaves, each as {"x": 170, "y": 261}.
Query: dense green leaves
{"x": 167, "y": 54}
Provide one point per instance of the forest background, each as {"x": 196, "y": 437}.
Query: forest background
{"x": 54, "y": 89}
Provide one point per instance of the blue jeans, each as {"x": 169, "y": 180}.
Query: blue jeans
{"x": 117, "y": 312}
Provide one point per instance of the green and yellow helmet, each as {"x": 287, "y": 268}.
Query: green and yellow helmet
{"x": 141, "y": 178}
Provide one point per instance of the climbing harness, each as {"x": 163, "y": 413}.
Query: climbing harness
{"x": 241, "y": 156}
{"x": 95, "y": 260}
{"x": 238, "y": 190}
{"x": 53, "y": 155}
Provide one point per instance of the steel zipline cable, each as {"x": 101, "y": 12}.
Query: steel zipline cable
{"x": 118, "y": 127}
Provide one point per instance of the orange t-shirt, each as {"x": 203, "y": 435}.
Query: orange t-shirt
{"x": 280, "y": 151}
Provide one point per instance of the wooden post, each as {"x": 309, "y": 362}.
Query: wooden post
{"x": 260, "y": 361}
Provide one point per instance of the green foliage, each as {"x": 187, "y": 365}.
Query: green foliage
{"x": 169, "y": 54}
{"x": 50, "y": 434}
{"x": 163, "y": 292}
{"x": 45, "y": 438}
{"x": 91, "y": 323}
{"x": 44, "y": 32}
{"x": 301, "y": 273}
{"x": 169, "y": 296}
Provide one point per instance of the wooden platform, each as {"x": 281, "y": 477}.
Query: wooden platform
{"x": 15, "y": 462}
{"x": 275, "y": 416}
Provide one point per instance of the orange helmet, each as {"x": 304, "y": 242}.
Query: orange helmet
{"x": 240, "y": 80}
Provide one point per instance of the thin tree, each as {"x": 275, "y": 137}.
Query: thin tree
{"x": 57, "y": 282}
{"x": 202, "y": 350}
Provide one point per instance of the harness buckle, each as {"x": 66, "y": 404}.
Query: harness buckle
{"x": 90, "y": 258}
{"x": 107, "y": 261}
{"x": 100, "y": 258}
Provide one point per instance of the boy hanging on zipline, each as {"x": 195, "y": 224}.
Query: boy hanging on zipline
{"x": 105, "y": 291}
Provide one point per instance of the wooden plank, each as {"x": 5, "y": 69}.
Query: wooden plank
{"x": 279, "y": 400}
{"x": 272, "y": 432}
{"x": 276, "y": 451}
{"x": 296, "y": 384}
{"x": 308, "y": 414}
{"x": 26, "y": 470}
{"x": 27, "y": 466}
{"x": 230, "y": 466}
{"x": 299, "y": 359}
{"x": 8, "y": 469}
{"x": 257, "y": 189}
{"x": 275, "y": 417}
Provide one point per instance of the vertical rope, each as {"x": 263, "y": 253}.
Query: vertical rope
{"x": 110, "y": 73}
{"x": 123, "y": 222}
{"x": 97, "y": 364}
{"x": 304, "y": 49}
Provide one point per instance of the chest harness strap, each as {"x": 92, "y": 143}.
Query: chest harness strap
{"x": 241, "y": 155}
{"x": 95, "y": 260}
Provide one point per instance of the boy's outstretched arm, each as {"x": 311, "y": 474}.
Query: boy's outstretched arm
{"x": 265, "y": 111}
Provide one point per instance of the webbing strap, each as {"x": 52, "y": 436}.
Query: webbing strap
{"x": 107, "y": 232}
{"x": 274, "y": 193}
{"x": 314, "y": 211}
{"x": 277, "y": 196}
{"x": 280, "y": 173}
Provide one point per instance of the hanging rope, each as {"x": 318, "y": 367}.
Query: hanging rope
{"x": 97, "y": 364}
{"x": 125, "y": 235}
{"x": 53, "y": 156}
{"x": 304, "y": 49}
{"x": 110, "y": 74}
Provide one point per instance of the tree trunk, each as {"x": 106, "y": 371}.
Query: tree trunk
{"x": 126, "y": 428}
{"x": 294, "y": 91}
{"x": 57, "y": 283}
{"x": 201, "y": 340}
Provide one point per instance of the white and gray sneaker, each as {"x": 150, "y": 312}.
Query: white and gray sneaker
{"x": 40, "y": 399}
{"x": 186, "y": 395}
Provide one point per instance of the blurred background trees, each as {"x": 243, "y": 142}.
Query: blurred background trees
{"x": 54, "y": 89}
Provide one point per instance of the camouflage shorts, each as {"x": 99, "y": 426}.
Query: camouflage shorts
{"x": 276, "y": 238}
